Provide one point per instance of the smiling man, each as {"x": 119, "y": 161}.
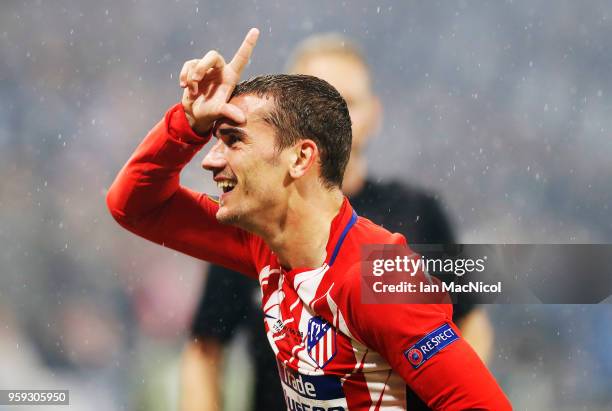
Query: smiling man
{"x": 283, "y": 142}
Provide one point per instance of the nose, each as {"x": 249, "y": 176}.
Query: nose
{"x": 215, "y": 159}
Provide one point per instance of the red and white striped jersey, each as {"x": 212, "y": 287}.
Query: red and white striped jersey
{"x": 333, "y": 351}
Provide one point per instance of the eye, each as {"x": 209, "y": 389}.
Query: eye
{"x": 232, "y": 139}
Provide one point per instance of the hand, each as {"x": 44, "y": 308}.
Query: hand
{"x": 208, "y": 84}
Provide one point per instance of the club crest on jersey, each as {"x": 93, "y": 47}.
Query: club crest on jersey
{"x": 430, "y": 345}
{"x": 321, "y": 341}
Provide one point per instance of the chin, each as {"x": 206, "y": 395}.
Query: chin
{"x": 225, "y": 216}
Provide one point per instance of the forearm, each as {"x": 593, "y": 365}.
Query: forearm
{"x": 151, "y": 175}
{"x": 200, "y": 374}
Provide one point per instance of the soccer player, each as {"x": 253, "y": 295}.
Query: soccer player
{"x": 408, "y": 210}
{"x": 283, "y": 142}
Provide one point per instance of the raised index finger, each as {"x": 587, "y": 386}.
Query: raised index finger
{"x": 243, "y": 54}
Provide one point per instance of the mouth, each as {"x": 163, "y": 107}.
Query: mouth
{"x": 226, "y": 185}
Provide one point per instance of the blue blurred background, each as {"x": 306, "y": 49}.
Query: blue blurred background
{"x": 504, "y": 108}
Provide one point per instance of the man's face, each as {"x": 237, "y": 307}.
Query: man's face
{"x": 246, "y": 165}
{"x": 350, "y": 77}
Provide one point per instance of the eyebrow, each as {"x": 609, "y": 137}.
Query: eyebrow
{"x": 224, "y": 130}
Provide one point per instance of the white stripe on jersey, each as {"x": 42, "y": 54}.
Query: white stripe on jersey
{"x": 270, "y": 335}
{"x": 329, "y": 344}
{"x": 339, "y": 322}
{"x": 376, "y": 370}
{"x": 326, "y": 294}
{"x": 307, "y": 283}
{"x": 267, "y": 272}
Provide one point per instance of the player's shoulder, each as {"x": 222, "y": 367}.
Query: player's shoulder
{"x": 364, "y": 232}
{"x": 367, "y": 232}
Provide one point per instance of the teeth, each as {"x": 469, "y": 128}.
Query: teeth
{"x": 225, "y": 184}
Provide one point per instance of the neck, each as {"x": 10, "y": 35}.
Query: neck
{"x": 300, "y": 237}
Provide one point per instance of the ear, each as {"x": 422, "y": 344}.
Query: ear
{"x": 305, "y": 155}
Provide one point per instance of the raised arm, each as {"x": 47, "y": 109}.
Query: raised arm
{"x": 147, "y": 198}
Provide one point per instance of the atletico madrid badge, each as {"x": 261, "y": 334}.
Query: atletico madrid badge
{"x": 321, "y": 341}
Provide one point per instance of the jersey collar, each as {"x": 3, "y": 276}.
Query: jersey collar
{"x": 340, "y": 226}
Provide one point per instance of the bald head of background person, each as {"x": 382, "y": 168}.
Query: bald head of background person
{"x": 339, "y": 61}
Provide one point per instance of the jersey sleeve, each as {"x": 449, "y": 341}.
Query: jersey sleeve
{"x": 424, "y": 346}
{"x": 147, "y": 199}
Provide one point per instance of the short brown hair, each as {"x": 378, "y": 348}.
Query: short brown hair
{"x": 307, "y": 107}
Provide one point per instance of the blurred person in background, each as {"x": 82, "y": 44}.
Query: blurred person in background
{"x": 232, "y": 302}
